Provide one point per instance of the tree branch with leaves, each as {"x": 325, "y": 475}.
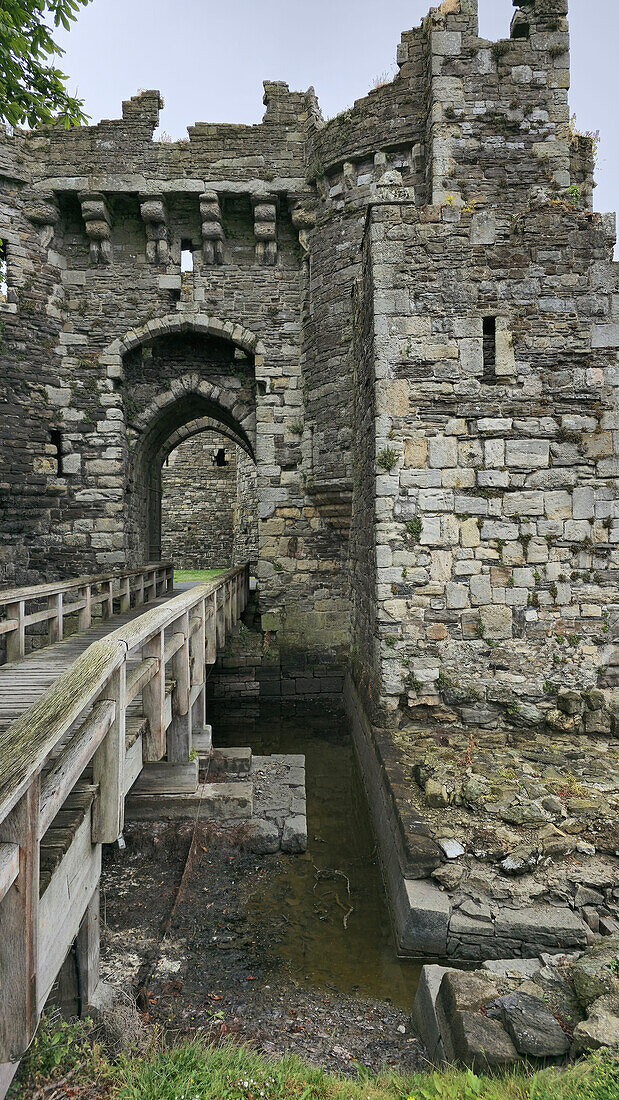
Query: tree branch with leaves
{"x": 32, "y": 89}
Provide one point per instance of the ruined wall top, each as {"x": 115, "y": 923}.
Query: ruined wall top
{"x": 455, "y": 98}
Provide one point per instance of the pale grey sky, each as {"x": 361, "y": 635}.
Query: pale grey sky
{"x": 208, "y": 58}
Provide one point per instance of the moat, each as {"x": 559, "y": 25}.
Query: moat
{"x": 271, "y": 949}
{"x": 334, "y": 928}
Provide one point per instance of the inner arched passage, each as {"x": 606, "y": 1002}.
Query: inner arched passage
{"x": 188, "y": 417}
{"x": 208, "y": 503}
{"x": 176, "y": 388}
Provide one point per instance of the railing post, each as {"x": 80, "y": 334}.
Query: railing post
{"x": 19, "y": 922}
{"x": 125, "y": 594}
{"x": 211, "y": 629}
{"x": 87, "y": 951}
{"x": 170, "y": 578}
{"x": 55, "y": 627}
{"x": 228, "y": 606}
{"x": 153, "y": 700}
{"x": 85, "y": 613}
{"x": 108, "y": 766}
{"x": 139, "y": 591}
{"x": 107, "y": 605}
{"x": 179, "y": 734}
{"x": 197, "y": 657}
{"x": 220, "y": 618}
{"x": 198, "y": 647}
{"x": 16, "y": 639}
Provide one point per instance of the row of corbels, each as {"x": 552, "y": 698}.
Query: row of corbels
{"x": 153, "y": 212}
{"x": 43, "y": 211}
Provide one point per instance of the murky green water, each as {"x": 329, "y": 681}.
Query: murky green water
{"x": 337, "y": 932}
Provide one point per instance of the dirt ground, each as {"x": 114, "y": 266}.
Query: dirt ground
{"x": 180, "y": 935}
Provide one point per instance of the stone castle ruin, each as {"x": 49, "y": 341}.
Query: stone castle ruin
{"x": 406, "y": 319}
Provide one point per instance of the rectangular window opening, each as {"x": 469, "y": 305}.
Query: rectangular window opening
{"x": 489, "y": 349}
{"x": 55, "y": 436}
{"x": 186, "y": 255}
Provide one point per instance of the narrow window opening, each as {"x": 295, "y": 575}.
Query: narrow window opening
{"x": 186, "y": 254}
{"x": 56, "y": 441}
{"x": 489, "y": 347}
{"x": 3, "y": 273}
{"x": 220, "y": 458}
{"x": 521, "y": 30}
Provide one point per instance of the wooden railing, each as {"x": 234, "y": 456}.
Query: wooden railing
{"x": 80, "y": 596}
{"x": 74, "y": 740}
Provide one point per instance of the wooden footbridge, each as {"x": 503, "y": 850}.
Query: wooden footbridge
{"x": 81, "y": 717}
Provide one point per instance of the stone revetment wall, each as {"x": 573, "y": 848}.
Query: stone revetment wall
{"x": 406, "y": 320}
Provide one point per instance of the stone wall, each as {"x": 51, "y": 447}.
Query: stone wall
{"x": 406, "y": 317}
{"x": 495, "y": 536}
{"x": 245, "y": 520}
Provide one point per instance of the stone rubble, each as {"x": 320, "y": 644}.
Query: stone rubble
{"x": 512, "y": 1011}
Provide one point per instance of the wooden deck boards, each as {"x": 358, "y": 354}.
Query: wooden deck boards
{"x": 23, "y": 682}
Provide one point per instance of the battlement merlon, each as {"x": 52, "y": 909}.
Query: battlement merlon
{"x": 513, "y": 91}
{"x": 142, "y": 110}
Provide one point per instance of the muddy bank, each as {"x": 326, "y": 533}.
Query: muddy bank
{"x": 186, "y": 937}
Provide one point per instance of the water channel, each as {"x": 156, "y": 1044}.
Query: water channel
{"x": 336, "y": 929}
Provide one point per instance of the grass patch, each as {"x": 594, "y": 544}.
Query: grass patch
{"x": 194, "y": 1071}
{"x": 202, "y": 575}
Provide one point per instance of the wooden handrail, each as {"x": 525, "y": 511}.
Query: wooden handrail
{"x": 36, "y": 591}
{"x": 152, "y": 579}
{"x": 89, "y": 703}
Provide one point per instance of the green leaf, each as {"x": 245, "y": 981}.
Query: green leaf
{"x": 33, "y": 91}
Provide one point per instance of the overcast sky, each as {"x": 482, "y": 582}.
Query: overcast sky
{"x": 208, "y": 58}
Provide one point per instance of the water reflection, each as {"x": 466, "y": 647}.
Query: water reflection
{"x": 336, "y": 930}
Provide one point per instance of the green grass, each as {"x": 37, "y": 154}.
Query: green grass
{"x": 202, "y": 575}
{"x": 194, "y": 1071}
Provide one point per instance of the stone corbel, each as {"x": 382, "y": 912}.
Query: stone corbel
{"x": 153, "y": 212}
{"x": 212, "y": 229}
{"x": 97, "y": 221}
{"x": 303, "y": 215}
{"x": 265, "y": 219}
{"x": 42, "y": 210}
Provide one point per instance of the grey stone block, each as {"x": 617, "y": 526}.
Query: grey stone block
{"x": 294, "y": 836}
{"x": 424, "y": 1016}
{"x": 427, "y": 918}
{"x": 263, "y": 837}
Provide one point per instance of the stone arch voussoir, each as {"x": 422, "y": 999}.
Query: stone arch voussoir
{"x": 199, "y": 323}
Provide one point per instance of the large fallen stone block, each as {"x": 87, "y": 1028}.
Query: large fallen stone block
{"x": 601, "y": 1028}
{"x": 532, "y": 1027}
{"x": 425, "y": 1019}
{"x": 595, "y": 973}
